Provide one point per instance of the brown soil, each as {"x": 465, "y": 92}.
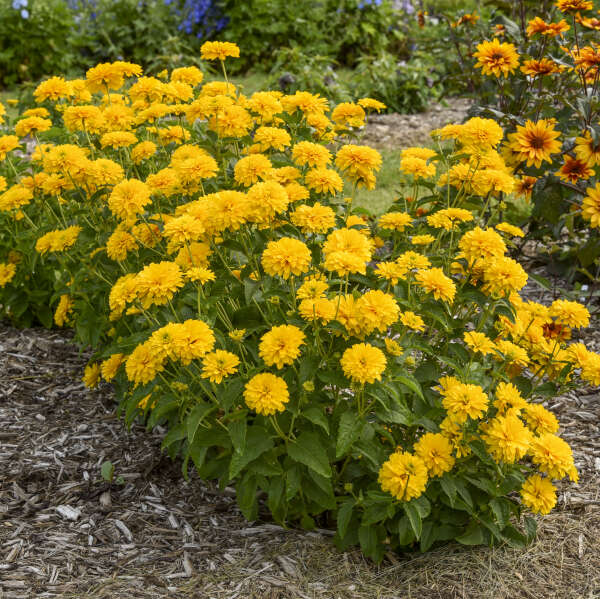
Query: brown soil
{"x": 401, "y": 130}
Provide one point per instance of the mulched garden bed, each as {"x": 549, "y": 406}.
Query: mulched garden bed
{"x": 64, "y": 532}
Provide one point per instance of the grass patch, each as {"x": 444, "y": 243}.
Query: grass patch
{"x": 378, "y": 200}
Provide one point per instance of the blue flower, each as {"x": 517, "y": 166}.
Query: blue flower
{"x": 25, "y": 13}
{"x": 17, "y": 4}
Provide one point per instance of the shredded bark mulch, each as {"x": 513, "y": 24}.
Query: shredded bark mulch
{"x": 66, "y": 532}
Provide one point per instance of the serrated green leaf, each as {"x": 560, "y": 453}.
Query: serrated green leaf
{"x": 349, "y": 430}
{"x": 257, "y": 442}
{"x": 309, "y": 450}
{"x": 195, "y": 418}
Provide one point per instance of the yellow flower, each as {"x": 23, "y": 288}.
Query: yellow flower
{"x": 275, "y": 138}
{"x": 286, "y": 257}
{"x": 507, "y": 438}
{"x": 480, "y": 134}
{"x": 313, "y": 219}
{"x": 412, "y": 321}
{"x": 143, "y": 364}
{"x": 32, "y": 124}
{"x": 574, "y": 170}
{"x": 553, "y": 456}
{"x": 417, "y": 167}
{"x": 281, "y": 345}
{"x": 540, "y": 420}
{"x": 464, "y": 401}
{"x": 184, "y": 341}
{"x": 447, "y": 218}
{"x": 347, "y": 251}
{"x": 91, "y": 375}
{"x": 571, "y": 314}
{"x": 118, "y": 139}
{"x": 390, "y": 271}
{"x": 496, "y": 58}
{"x": 128, "y": 198}
{"x": 535, "y": 142}
{"x": 324, "y": 180}
{"x": 480, "y": 244}
{"x": 587, "y": 150}
{"x": 317, "y": 309}
{"x": 502, "y": 276}
{"x": 237, "y": 335}
{"x": 371, "y": 104}
{"x": 348, "y": 114}
{"x": 58, "y": 241}
{"x": 436, "y": 452}
{"x": 218, "y": 365}
{"x": 158, "y": 282}
{"x": 404, "y": 476}
{"x": 363, "y": 363}
{"x": 266, "y": 200}
{"x": 119, "y": 244}
{"x": 435, "y": 281}
{"x": 396, "y": 221}
{"x": 199, "y": 274}
{"x": 266, "y": 394}
{"x": 52, "y": 89}
{"x": 377, "y": 310}
{"x": 219, "y": 50}
{"x": 7, "y": 144}
{"x": 422, "y": 239}
{"x": 306, "y": 153}
{"x": 508, "y": 398}
{"x": 573, "y": 6}
{"x": 190, "y": 75}
{"x": 392, "y": 347}
{"x": 590, "y": 208}
{"x": 538, "y": 494}
{"x": 110, "y": 366}
{"x": 7, "y": 272}
{"x": 510, "y": 230}
{"x": 479, "y": 342}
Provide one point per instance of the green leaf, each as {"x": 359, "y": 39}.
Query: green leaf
{"x": 344, "y": 515}
{"x": 428, "y": 536}
{"x": 257, "y": 442}
{"x": 374, "y": 513}
{"x": 449, "y": 487}
{"x": 309, "y": 450}
{"x": 414, "y": 517}
{"x": 349, "y": 430}
{"x": 530, "y": 528}
{"x": 472, "y": 536}
{"x": 412, "y": 384}
{"x": 195, "y": 418}
{"x": 514, "y": 538}
{"x": 275, "y": 496}
{"x": 246, "y": 496}
{"x": 237, "y": 432}
{"x": 107, "y": 471}
{"x": 406, "y": 534}
{"x": 317, "y": 416}
{"x": 293, "y": 480}
{"x": 367, "y": 537}
{"x": 501, "y": 510}
{"x": 172, "y": 438}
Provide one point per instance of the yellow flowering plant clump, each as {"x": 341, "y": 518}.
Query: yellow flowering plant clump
{"x": 538, "y": 75}
{"x": 382, "y": 373}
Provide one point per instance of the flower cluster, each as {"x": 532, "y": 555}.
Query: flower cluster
{"x": 206, "y": 244}
{"x": 525, "y": 73}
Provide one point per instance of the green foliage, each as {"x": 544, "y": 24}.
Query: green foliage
{"x": 33, "y": 46}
